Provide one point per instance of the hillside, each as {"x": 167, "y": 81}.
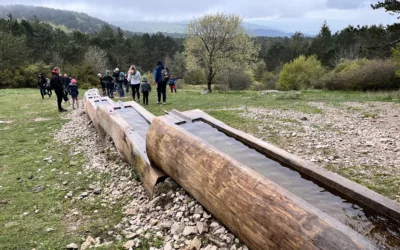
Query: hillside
{"x": 68, "y": 19}
{"x": 71, "y": 20}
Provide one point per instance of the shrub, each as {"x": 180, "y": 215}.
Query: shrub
{"x": 301, "y": 73}
{"x": 195, "y": 77}
{"x": 363, "y": 75}
{"x": 234, "y": 79}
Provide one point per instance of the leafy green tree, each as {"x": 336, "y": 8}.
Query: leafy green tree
{"x": 13, "y": 51}
{"x": 217, "y": 41}
{"x": 391, "y": 6}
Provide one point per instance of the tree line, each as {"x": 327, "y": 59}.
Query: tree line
{"x": 216, "y": 50}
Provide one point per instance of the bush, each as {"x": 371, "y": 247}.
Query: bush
{"x": 22, "y": 77}
{"x": 267, "y": 81}
{"x": 84, "y": 74}
{"x": 195, "y": 77}
{"x": 234, "y": 79}
{"x": 301, "y": 73}
{"x": 363, "y": 75}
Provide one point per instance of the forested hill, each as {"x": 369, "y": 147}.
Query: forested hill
{"x": 67, "y": 20}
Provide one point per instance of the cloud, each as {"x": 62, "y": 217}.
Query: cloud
{"x": 344, "y": 4}
{"x": 290, "y": 15}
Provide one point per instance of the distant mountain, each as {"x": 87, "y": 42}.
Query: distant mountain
{"x": 179, "y": 28}
{"x": 71, "y": 20}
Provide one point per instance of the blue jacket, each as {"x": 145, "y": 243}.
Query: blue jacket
{"x": 73, "y": 90}
{"x": 158, "y": 72}
{"x": 172, "y": 82}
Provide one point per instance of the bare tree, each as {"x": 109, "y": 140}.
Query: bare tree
{"x": 217, "y": 40}
{"x": 97, "y": 58}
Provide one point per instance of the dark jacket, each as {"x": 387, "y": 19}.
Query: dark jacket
{"x": 42, "y": 82}
{"x": 73, "y": 90}
{"x": 115, "y": 75}
{"x": 107, "y": 79}
{"x": 158, "y": 72}
{"x": 55, "y": 82}
{"x": 145, "y": 86}
{"x": 66, "y": 81}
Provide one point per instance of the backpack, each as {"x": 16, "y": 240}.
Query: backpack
{"x": 165, "y": 75}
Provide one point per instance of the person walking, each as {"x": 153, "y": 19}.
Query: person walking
{"x": 134, "y": 78}
{"x": 48, "y": 87}
{"x": 42, "y": 85}
{"x": 109, "y": 83}
{"x": 161, "y": 75}
{"x": 120, "y": 84}
{"x": 58, "y": 87}
{"x": 74, "y": 92}
{"x": 145, "y": 88}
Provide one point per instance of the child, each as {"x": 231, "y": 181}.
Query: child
{"x": 145, "y": 89}
{"x": 172, "y": 84}
{"x": 73, "y": 91}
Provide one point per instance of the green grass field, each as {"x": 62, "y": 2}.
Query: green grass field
{"x": 27, "y": 124}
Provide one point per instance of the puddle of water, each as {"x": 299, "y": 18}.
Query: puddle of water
{"x": 382, "y": 231}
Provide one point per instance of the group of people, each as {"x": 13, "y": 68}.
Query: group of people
{"x": 120, "y": 81}
{"x": 62, "y": 86}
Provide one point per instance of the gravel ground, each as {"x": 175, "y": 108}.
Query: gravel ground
{"x": 172, "y": 220}
{"x": 363, "y": 137}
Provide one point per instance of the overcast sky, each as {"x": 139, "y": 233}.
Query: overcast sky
{"x": 290, "y": 15}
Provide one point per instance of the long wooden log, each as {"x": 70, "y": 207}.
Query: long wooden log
{"x": 91, "y": 106}
{"x": 258, "y": 211}
{"x": 130, "y": 145}
{"x": 349, "y": 188}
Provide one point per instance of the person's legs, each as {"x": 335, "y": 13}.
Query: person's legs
{"x": 137, "y": 87}
{"x": 122, "y": 94}
{"x": 158, "y": 94}
{"x": 164, "y": 92}
{"x": 172, "y": 89}
{"x": 42, "y": 92}
{"x": 59, "y": 94}
{"x": 146, "y": 97}
{"x": 133, "y": 92}
{"x": 175, "y": 88}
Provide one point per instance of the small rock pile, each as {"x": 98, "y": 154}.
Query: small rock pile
{"x": 172, "y": 220}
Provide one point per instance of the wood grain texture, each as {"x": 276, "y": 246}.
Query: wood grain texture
{"x": 258, "y": 211}
{"x": 130, "y": 146}
{"x": 353, "y": 190}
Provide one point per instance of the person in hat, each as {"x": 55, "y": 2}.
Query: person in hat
{"x": 74, "y": 92}
{"x": 145, "y": 88}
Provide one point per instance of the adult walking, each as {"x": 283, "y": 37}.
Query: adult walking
{"x": 134, "y": 78}
{"x": 58, "y": 87}
{"x": 120, "y": 84}
{"x": 109, "y": 83}
{"x": 42, "y": 85}
{"x": 161, "y": 77}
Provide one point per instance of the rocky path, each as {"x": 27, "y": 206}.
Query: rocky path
{"x": 172, "y": 220}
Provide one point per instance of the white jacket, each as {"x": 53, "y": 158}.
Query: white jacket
{"x": 134, "y": 79}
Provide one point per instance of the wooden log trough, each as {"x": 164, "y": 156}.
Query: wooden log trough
{"x": 266, "y": 196}
{"x": 127, "y": 124}
{"x": 260, "y": 212}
